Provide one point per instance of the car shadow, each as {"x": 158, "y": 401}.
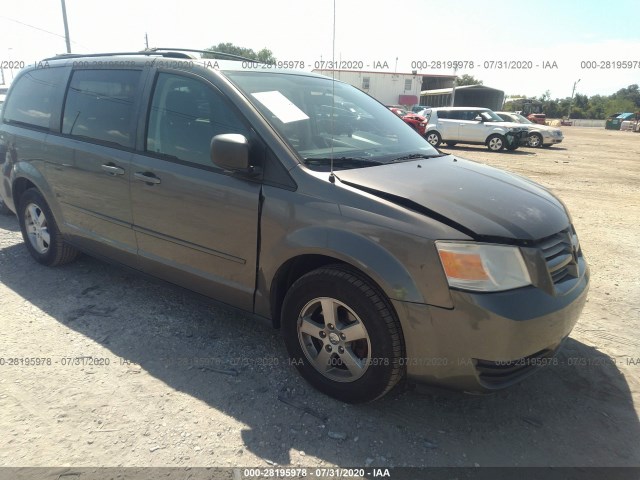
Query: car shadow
{"x": 578, "y": 412}
{"x": 9, "y": 222}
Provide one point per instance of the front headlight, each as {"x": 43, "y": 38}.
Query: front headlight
{"x": 483, "y": 267}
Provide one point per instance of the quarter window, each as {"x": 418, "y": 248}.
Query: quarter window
{"x": 99, "y": 105}
{"x": 32, "y": 99}
{"x": 185, "y": 115}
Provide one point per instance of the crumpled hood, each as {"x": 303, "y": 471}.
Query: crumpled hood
{"x": 476, "y": 199}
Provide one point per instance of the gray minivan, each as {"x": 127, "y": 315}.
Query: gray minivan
{"x": 380, "y": 258}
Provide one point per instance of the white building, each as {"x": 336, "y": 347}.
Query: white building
{"x": 386, "y": 87}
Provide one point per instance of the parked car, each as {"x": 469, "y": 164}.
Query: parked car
{"x": 474, "y": 125}
{"x": 378, "y": 257}
{"x": 419, "y": 108}
{"x": 615, "y": 120}
{"x": 424, "y": 112}
{"x": 539, "y": 135}
{"x": 539, "y": 118}
{"x": 415, "y": 121}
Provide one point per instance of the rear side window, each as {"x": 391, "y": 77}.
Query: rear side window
{"x": 99, "y": 105}
{"x": 185, "y": 115}
{"x": 33, "y": 96}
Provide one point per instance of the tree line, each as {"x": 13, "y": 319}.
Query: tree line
{"x": 596, "y": 107}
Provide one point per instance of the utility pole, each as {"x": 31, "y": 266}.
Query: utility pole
{"x": 453, "y": 90}
{"x": 66, "y": 26}
{"x": 571, "y": 102}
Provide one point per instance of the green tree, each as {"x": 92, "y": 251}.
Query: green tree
{"x": 265, "y": 55}
{"x": 467, "y": 80}
{"x": 619, "y": 105}
{"x": 597, "y": 107}
{"x": 631, "y": 93}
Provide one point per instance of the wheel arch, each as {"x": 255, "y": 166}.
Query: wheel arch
{"x": 19, "y": 186}
{"x": 363, "y": 255}
{"x": 26, "y": 175}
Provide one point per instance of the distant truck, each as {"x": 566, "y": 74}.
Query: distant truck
{"x": 529, "y": 108}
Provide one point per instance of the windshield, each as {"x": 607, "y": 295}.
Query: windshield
{"x": 516, "y": 117}
{"x": 324, "y": 120}
{"x": 488, "y": 115}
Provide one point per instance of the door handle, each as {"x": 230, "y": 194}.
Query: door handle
{"x": 112, "y": 169}
{"x": 146, "y": 177}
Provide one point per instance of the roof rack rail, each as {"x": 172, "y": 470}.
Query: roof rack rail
{"x": 163, "y": 52}
{"x": 208, "y": 52}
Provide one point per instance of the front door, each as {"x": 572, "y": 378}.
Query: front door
{"x": 195, "y": 224}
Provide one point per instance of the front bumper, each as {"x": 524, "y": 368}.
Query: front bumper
{"x": 488, "y": 341}
{"x": 520, "y": 138}
{"x": 552, "y": 140}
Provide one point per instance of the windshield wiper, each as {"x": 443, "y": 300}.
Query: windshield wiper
{"x": 342, "y": 161}
{"x": 414, "y": 156}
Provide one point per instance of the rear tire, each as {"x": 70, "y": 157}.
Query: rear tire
{"x": 40, "y": 231}
{"x": 495, "y": 143}
{"x": 433, "y": 138}
{"x": 343, "y": 335}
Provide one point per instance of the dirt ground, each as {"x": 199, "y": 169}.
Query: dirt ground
{"x": 142, "y": 373}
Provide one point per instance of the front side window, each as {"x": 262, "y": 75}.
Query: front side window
{"x": 99, "y": 106}
{"x": 32, "y": 98}
{"x": 185, "y": 115}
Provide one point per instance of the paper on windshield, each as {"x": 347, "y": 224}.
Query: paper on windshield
{"x": 280, "y": 106}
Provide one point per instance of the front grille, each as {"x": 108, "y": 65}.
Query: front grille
{"x": 560, "y": 253}
{"x": 502, "y": 374}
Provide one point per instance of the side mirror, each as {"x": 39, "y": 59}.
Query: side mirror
{"x": 478, "y": 119}
{"x": 230, "y": 151}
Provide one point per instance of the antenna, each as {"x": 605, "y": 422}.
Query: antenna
{"x": 332, "y": 177}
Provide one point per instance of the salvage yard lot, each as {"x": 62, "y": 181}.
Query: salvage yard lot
{"x": 134, "y": 372}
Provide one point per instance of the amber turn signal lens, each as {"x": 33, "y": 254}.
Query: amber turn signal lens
{"x": 464, "y": 266}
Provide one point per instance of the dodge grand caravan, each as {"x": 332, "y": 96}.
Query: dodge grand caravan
{"x": 380, "y": 259}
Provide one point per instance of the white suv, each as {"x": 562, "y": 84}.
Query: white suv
{"x": 473, "y": 125}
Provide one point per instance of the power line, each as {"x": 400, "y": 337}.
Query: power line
{"x": 32, "y": 26}
{"x": 41, "y": 29}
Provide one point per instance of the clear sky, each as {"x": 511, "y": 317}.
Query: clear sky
{"x": 567, "y": 32}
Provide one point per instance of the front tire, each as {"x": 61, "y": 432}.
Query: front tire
{"x": 433, "y": 138}
{"x": 40, "y": 231}
{"x": 535, "y": 140}
{"x": 495, "y": 143}
{"x": 343, "y": 335}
